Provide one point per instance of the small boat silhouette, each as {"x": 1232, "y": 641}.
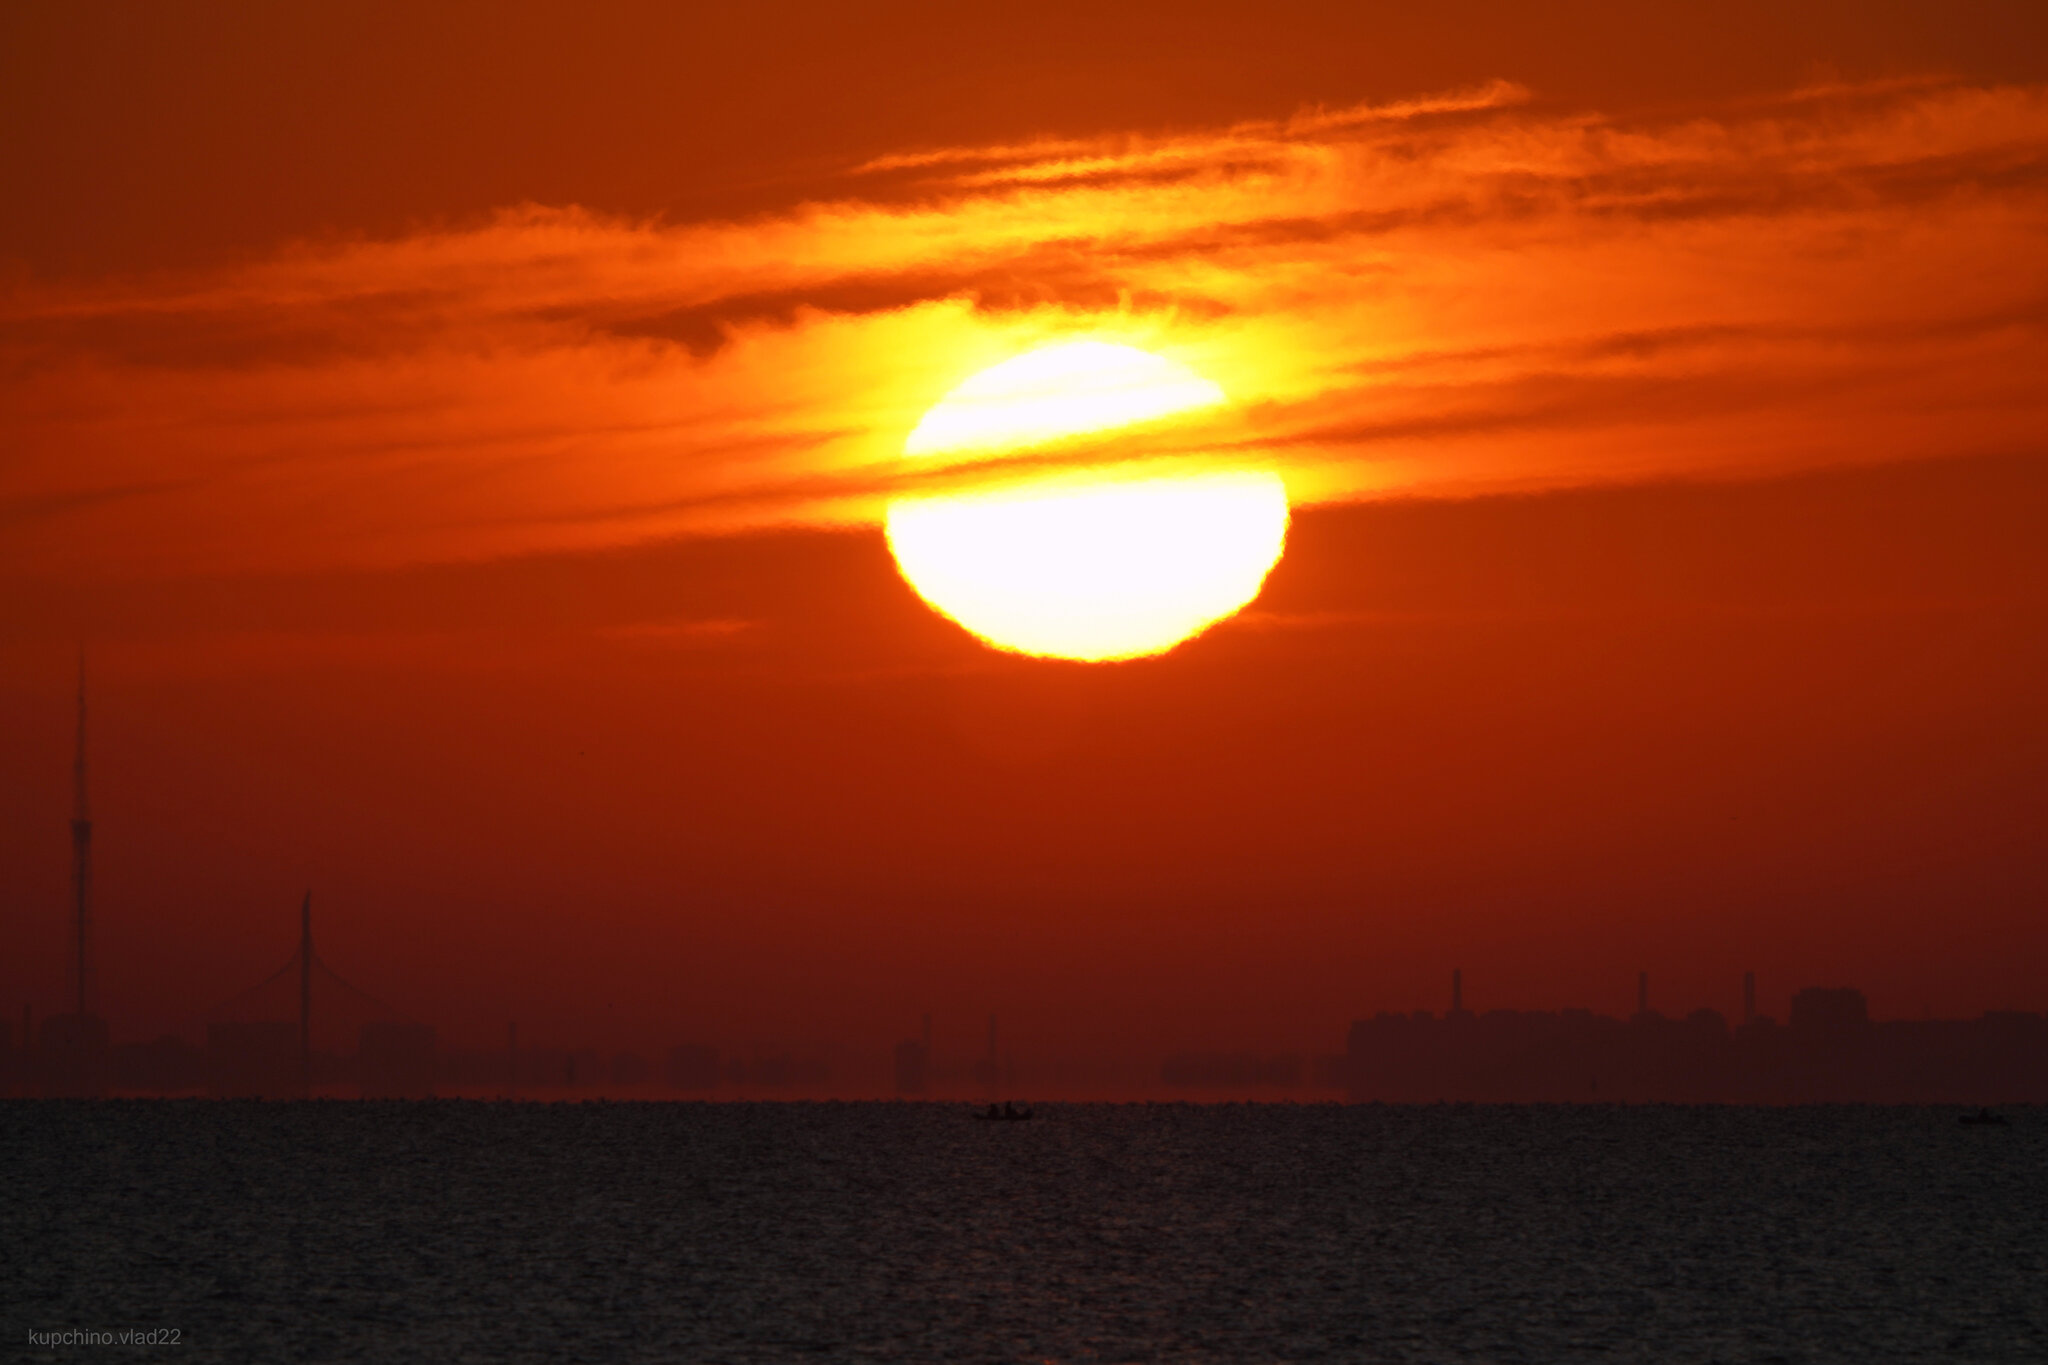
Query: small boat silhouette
{"x": 1007, "y": 1114}
{"x": 1983, "y": 1117}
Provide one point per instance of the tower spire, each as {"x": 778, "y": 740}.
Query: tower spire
{"x": 306, "y": 992}
{"x": 81, "y": 853}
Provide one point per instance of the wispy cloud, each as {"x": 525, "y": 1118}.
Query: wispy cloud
{"x": 1445, "y": 295}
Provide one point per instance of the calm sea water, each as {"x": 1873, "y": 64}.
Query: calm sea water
{"x": 757, "y": 1232}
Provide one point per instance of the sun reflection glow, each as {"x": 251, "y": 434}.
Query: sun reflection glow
{"x": 1084, "y": 565}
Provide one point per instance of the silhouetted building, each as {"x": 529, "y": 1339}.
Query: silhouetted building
{"x": 582, "y": 1067}
{"x": 913, "y": 1067}
{"x": 629, "y": 1068}
{"x": 395, "y": 1061}
{"x": 255, "y": 1060}
{"x": 692, "y": 1067}
{"x": 167, "y": 1066}
{"x": 20, "y": 1078}
{"x": 1831, "y": 1052}
{"x": 75, "y": 1062}
{"x": 1839, "y": 1012}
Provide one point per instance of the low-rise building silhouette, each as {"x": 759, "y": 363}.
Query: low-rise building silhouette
{"x": 395, "y": 1060}
{"x": 1830, "y": 1052}
{"x": 692, "y": 1066}
{"x": 254, "y": 1059}
{"x": 167, "y": 1066}
{"x": 75, "y": 1062}
{"x": 1830, "y": 1012}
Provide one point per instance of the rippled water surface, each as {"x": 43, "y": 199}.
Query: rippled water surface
{"x": 744, "y": 1232}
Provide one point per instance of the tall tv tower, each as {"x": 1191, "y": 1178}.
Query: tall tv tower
{"x": 306, "y": 992}
{"x": 81, "y": 850}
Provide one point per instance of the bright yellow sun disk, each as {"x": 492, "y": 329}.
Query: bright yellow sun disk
{"x": 1080, "y": 567}
{"x": 1114, "y": 571}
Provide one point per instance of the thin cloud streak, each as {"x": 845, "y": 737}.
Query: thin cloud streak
{"x": 1442, "y": 297}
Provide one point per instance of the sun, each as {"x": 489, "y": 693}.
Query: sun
{"x": 1093, "y": 564}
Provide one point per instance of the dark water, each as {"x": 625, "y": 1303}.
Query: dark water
{"x": 743, "y": 1232}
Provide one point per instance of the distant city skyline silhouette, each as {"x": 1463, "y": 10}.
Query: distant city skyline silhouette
{"x": 1829, "y": 1050}
{"x": 260, "y": 1044}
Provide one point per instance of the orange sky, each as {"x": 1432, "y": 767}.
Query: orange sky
{"x": 461, "y": 442}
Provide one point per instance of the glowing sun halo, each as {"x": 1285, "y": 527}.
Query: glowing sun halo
{"x": 1091, "y": 567}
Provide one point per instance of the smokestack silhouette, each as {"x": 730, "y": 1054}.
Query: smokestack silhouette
{"x": 1457, "y": 990}
{"x": 1748, "y": 997}
{"x": 306, "y": 992}
{"x": 81, "y": 850}
{"x": 1642, "y": 992}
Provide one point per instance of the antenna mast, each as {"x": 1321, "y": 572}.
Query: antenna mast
{"x": 306, "y": 992}
{"x": 81, "y": 848}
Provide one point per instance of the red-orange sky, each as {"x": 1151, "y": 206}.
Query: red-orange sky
{"x": 459, "y": 439}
